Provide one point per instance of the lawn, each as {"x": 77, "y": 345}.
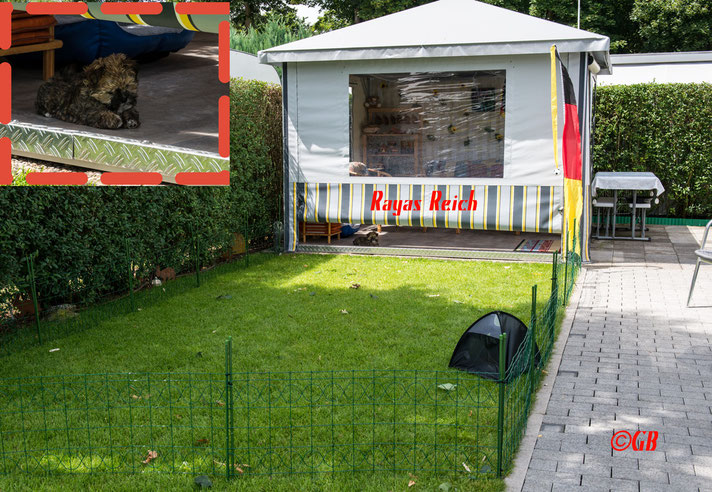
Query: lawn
{"x": 385, "y": 326}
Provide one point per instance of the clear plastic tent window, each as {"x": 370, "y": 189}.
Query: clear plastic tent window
{"x": 448, "y": 124}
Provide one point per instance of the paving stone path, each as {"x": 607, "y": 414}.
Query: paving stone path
{"x": 636, "y": 359}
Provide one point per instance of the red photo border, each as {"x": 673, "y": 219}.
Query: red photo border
{"x": 221, "y": 178}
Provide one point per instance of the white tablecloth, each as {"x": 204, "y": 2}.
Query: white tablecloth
{"x": 626, "y": 181}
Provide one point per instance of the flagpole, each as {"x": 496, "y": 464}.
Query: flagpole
{"x": 578, "y": 18}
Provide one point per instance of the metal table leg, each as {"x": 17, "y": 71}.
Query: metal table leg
{"x": 632, "y": 217}
{"x": 615, "y": 207}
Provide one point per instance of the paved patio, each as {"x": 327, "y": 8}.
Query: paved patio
{"x": 635, "y": 359}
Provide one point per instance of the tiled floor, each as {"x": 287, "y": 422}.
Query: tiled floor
{"x": 636, "y": 359}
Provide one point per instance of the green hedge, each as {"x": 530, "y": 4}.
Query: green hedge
{"x": 80, "y": 233}
{"x": 664, "y": 129}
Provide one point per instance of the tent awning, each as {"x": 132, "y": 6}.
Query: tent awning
{"x": 446, "y": 28}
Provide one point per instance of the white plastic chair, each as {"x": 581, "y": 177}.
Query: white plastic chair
{"x": 703, "y": 255}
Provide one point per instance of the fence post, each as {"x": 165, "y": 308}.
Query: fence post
{"x": 247, "y": 246}
{"x": 229, "y": 458}
{"x": 196, "y": 250}
{"x": 566, "y": 276}
{"x": 131, "y": 275}
{"x": 554, "y": 299}
{"x": 532, "y": 345}
{"x": 33, "y": 291}
{"x": 500, "y": 412}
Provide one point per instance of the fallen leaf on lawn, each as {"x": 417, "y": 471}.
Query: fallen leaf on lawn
{"x": 152, "y": 455}
{"x": 164, "y": 289}
{"x": 139, "y": 309}
{"x": 433, "y": 295}
{"x": 457, "y": 302}
{"x": 445, "y": 486}
{"x": 411, "y": 483}
{"x": 305, "y": 266}
{"x": 220, "y": 404}
{"x": 178, "y": 416}
{"x": 344, "y": 311}
{"x": 239, "y": 467}
{"x": 135, "y": 397}
{"x": 447, "y": 386}
{"x": 470, "y": 413}
{"x": 355, "y": 285}
{"x": 506, "y": 267}
{"x": 53, "y": 350}
{"x": 320, "y": 357}
{"x": 467, "y": 468}
{"x": 202, "y": 442}
{"x": 215, "y": 331}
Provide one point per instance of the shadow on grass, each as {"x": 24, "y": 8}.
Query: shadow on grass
{"x": 345, "y": 355}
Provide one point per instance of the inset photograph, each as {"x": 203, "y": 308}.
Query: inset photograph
{"x": 115, "y": 92}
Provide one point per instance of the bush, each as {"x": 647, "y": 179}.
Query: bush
{"x": 256, "y": 147}
{"x": 664, "y": 129}
{"x": 275, "y": 31}
{"x": 80, "y": 233}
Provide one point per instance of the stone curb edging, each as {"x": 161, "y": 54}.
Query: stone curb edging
{"x": 515, "y": 480}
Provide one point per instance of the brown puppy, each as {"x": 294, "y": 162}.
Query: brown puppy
{"x": 165, "y": 274}
{"x": 102, "y": 95}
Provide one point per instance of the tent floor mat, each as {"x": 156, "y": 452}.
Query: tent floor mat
{"x": 539, "y": 246}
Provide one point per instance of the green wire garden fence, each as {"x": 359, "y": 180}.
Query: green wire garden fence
{"x": 238, "y": 424}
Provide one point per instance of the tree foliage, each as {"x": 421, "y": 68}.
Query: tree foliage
{"x": 275, "y": 30}
{"x": 248, "y": 14}
{"x": 674, "y": 25}
{"x": 632, "y": 25}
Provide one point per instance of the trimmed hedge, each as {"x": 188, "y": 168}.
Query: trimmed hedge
{"x": 662, "y": 128}
{"x": 256, "y": 148}
{"x": 80, "y": 232}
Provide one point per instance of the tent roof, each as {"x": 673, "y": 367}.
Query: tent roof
{"x": 445, "y": 28}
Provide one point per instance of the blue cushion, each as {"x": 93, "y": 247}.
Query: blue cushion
{"x": 84, "y": 42}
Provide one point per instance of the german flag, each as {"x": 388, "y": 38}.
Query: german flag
{"x": 571, "y": 150}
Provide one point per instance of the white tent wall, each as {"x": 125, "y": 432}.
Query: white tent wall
{"x": 317, "y": 144}
{"x": 318, "y": 101}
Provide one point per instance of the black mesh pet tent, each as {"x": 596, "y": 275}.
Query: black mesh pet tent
{"x": 478, "y": 348}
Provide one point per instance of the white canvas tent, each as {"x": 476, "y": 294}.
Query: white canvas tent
{"x": 328, "y": 78}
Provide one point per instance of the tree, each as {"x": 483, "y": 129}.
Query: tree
{"x": 608, "y": 17}
{"x": 354, "y": 11}
{"x": 674, "y": 25}
{"x": 252, "y": 13}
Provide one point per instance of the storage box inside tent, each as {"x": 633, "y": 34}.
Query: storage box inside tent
{"x": 451, "y": 101}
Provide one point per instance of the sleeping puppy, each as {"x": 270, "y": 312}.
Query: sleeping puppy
{"x": 102, "y": 95}
{"x": 370, "y": 239}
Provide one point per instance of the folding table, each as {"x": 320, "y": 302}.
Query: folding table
{"x": 631, "y": 181}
